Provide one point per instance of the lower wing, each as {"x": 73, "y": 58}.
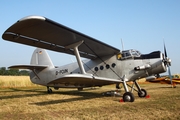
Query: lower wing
{"x": 82, "y": 80}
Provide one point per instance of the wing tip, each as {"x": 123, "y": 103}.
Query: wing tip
{"x": 32, "y": 17}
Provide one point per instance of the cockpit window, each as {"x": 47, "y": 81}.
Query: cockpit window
{"x": 135, "y": 53}
{"x": 127, "y": 54}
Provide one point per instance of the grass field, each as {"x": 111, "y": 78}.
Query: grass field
{"x": 15, "y": 81}
{"x": 32, "y": 102}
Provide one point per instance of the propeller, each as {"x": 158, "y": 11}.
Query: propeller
{"x": 167, "y": 62}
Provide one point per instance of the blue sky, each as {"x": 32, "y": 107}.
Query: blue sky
{"x": 141, "y": 24}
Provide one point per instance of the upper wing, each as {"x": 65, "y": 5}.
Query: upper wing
{"x": 44, "y": 33}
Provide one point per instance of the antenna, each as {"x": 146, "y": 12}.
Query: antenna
{"x": 122, "y": 44}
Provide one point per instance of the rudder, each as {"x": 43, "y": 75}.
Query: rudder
{"x": 40, "y": 57}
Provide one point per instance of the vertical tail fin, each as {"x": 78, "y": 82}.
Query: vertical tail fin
{"x": 40, "y": 57}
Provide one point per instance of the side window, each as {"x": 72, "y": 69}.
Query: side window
{"x": 126, "y": 55}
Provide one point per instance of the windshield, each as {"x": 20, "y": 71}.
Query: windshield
{"x": 135, "y": 53}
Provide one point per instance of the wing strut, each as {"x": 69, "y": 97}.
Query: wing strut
{"x": 75, "y": 46}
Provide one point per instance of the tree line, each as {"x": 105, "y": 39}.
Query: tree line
{"x": 13, "y": 72}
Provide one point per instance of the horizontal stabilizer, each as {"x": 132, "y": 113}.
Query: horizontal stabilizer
{"x": 31, "y": 67}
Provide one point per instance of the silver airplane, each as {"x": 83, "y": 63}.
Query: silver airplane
{"x": 104, "y": 65}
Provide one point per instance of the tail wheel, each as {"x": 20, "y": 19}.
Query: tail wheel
{"x": 128, "y": 97}
{"x": 80, "y": 89}
{"x": 49, "y": 90}
{"x": 142, "y": 93}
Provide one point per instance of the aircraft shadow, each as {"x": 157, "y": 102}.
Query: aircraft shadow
{"x": 35, "y": 92}
{"x": 19, "y": 96}
{"x": 22, "y": 90}
{"x": 79, "y": 95}
{"x": 167, "y": 87}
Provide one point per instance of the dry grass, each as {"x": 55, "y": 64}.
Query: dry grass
{"x": 15, "y": 81}
{"x": 69, "y": 104}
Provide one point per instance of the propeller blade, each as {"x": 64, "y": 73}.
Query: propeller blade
{"x": 170, "y": 76}
{"x": 168, "y": 63}
{"x": 165, "y": 51}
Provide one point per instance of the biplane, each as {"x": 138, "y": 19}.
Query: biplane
{"x": 165, "y": 80}
{"x": 104, "y": 64}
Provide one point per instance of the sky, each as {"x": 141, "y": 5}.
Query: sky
{"x": 141, "y": 24}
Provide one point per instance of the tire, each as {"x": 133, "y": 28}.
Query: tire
{"x": 143, "y": 93}
{"x": 80, "y": 89}
{"x": 49, "y": 90}
{"x": 128, "y": 97}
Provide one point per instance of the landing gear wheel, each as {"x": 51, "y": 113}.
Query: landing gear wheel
{"x": 143, "y": 93}
{"x": 49, "y": 90}
{"x": 128, "y": 97}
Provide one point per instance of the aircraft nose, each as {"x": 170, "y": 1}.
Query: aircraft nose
{"x": 167, "y": 61}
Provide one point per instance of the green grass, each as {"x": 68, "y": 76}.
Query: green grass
{"x": 70, "y": 104}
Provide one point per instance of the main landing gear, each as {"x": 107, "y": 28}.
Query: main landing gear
{"x": 129, "y": 96}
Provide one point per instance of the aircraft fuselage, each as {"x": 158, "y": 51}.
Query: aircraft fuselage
{"x": 107, "y": 67}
